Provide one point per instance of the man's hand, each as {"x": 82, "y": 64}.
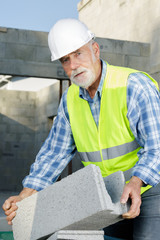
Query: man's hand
{"x": 132, "y": 190}
{"x": 10, "y": 206}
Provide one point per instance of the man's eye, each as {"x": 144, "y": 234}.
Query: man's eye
{"x": 77, "y": 54}
{"x": 65, "y": 60}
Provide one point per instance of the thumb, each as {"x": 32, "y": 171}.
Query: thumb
{"x": 6, "y": 205}
{"x": 124, "y": 197}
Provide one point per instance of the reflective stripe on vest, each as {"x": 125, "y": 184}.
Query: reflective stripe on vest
{"x": 109, "y": 153}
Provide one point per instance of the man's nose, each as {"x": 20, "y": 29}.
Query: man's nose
{"x": 74, "y": 64}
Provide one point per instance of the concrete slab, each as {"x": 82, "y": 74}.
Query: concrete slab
{"x": 78, "y": 202}
{"x": 77, "y": 235}
{"x": 114, "y": 184}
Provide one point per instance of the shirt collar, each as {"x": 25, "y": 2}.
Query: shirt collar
{"x": 83, "y": 93}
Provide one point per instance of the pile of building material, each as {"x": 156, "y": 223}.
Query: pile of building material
{"x": 81, "y": 202}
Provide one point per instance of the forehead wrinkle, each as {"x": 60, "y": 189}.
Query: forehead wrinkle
{"x": 77, "y": 50}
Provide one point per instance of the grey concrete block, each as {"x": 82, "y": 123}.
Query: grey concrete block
{"x": 43, "y": 54}
{"x": 126, "y": 47}
{"x": 106, "y": 45}
{"x": 78, "y": 235}
{"x": 114, "y": 184}
{"x": 120, "y": 47}
{"x": 114, "y": 58}
{"x": 36, "y": 38}
{"x": 78, "y": 202}
{"x": 2, "y": 50}
{"x": 145, "y": 49}
{"x": 21, "y": 52}
{"x": 10, "y": 35}
{"x": 139, "y": 63}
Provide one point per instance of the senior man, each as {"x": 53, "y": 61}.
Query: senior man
{"x": 111, "y": 116}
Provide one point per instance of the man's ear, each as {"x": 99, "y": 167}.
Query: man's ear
{"x": 96, "y": 49}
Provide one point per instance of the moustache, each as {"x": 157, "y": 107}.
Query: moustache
{"x": 77, "y": 71}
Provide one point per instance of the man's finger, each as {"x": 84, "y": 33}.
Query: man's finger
{"x": 134, "y": 209}
{"x": 131, "y": 214}
{"x": 12, "y": 209}
{"x": 10, "y": 223}
{"x": 125, "y": 196}
{"x": 11, "y": 216}
{"x": 8, "y": 203}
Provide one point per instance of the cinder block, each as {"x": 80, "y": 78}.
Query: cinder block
{"x": 43, "y": 54}
{"x": 11, "y": 35}
{"x": 127, "y": 48}
{"x": 78, "y": 235}
{"x": 78, "y": 202}
{"x": 37, "y": 38}
{"x": 20, "y": 51}
{"x": 139, "y": 63}
{"x": 114, "y": 184}
{"x": 2, "y": 50}
{"x": 114, "y": 58}
{"x": 145, "y": 49}
{"x": 106, "y": 45}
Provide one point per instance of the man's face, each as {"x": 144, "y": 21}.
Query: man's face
{"x": 81, "y": 65}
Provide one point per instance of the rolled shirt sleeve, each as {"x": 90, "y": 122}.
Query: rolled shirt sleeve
{"x": 143, "y": 101}
{"x": 56, "y": 152}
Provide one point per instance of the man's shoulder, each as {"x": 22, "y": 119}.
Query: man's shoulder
{"x": 139, "y": 79}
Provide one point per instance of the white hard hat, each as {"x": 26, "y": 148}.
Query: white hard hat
{"x": 66, "y": 36}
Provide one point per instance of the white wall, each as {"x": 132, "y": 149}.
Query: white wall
{"x": 133, "y": 20}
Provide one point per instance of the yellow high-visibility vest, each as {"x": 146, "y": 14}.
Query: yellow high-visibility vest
{"x": 112, "y": 145}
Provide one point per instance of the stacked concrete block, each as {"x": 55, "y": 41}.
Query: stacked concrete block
{"x": 78, "y": 202}
{"x": 77, "y": 235}
{"x": 17, "y": 128}
{"x": 127, "y": 54}
{"x": 26, "y": 53}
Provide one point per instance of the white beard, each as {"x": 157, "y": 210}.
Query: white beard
{"x": 85, "y": 79}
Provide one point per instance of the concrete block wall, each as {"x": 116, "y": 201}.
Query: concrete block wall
{"x": 17, "y": 126}
{"x": 26, "y": 53}
{"x": 25, "y": 122}
{"x": 78, "y": 202}
{"x": 47, "y": 101}
{"x": 125, "y": 53}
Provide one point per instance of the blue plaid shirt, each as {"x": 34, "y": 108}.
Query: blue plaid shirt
{"x": 143, "y": 101}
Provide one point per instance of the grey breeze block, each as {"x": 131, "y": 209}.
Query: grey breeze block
{"x": 77, "y": 235}
{"x": 77, "y": 202}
